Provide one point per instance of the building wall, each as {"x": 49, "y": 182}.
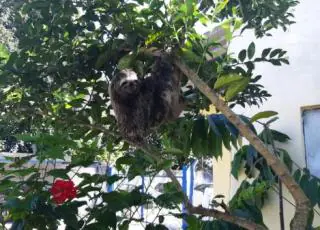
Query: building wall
{"x": 292, "y": 87}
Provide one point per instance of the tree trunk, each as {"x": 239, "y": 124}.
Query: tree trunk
{"x": 299, "y": 221}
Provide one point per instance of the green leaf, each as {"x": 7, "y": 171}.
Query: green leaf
{"x": 236, "y": 87}
{"x": 265, "y": 52}
{"x": 282, "y": 53}
{"x": 226, "y": 137}
{"x": 285, "y": 157}
{"x": 193, "y": 222}
{"x": 219, "y": 196}
{"x": 251, "y": 50}
{"x": 312, "y": 191}
{"x": 238, "y": 23}
{"x": 68, "y": 214}
{"x": 236, "y": 163}
{"x": 125, "y": 160}
{"x": 297, "y": 175}
{"x": 304, "y": 182}
{"x": 126, "y": 62}
{"x": 164, "y": 164}
{"x": 156, "y": 227}
{"x": 270, "y": 134}
{"x": 256, "y": 78}
{"x": 112, "y": 179}
{"x": 242, "y": 55}
{"x": 174, "y": 151}
{"x": 226, "y": 26}
{"x": 250, "y": 65}
{"x": 119, "y": 200}
{"x": 217, "y": 142}
{"x": 183, "y": 8}
{"x": 221, "y": 6}
{"x": 108, "y": 219}
{"x": 275, "y": 62}
{"x": 275, "y": 52}
{"x": 189, "y": 4}
{"x": 161, "y": 219}
{"x": 227, "y": 80}
{"x": 102, "y": 59}
{"x": 170, "y": 201}
{"x": 191, "y": 56}
{"x": 59, "y": 173}
{"x": 284, "y": 60}
{"x": 199, "y": 137}
{"x": 96, "y": 113}
{"x": 124, "y": 225}
{"x": 211, "y": 136}
{"x": 4, "y": 53}
{"x": 279, "y": 136}
{"x": 261, "y": 115}
{"x": 91, "y": 26}
{"x": 6, "y": 184}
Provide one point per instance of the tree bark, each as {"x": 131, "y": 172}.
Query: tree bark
{"x": 242, "y": 222}
{"x": 299, "y": 221}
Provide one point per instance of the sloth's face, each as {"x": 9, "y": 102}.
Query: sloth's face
{"x": 128, "y": 82}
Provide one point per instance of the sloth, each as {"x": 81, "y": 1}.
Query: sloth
{"x": 142, "y": 104}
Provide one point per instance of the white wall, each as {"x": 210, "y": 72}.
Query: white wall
{"x": 295, "y": 85}
{"x": 291, "y": 87}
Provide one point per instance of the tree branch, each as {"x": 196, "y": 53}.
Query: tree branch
{"x": 155, "y": 156}
{"x": 244, "y": 223}
{"x": 98, "y": 127}
{"x": 300, "y": 218}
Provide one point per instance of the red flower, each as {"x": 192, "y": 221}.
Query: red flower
{"x": 62, "y": 190}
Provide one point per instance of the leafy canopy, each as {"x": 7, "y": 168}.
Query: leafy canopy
{"x": 54, "y": 94}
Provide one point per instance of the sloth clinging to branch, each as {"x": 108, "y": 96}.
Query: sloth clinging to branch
{"x": 141, "y": 104}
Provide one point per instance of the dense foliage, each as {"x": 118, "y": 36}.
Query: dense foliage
{"x": 54, "y": 94}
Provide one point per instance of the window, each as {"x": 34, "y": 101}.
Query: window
{"x": 311, "y": 130}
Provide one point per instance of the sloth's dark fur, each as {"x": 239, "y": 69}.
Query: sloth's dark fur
{"x": 141, "y": 104}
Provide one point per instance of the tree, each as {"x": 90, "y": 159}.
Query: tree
{"x": 54, "y": 90}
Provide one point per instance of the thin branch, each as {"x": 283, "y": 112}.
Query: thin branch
{"x": 155, "y": 156}
{"x": 242, "y": 222}
{"x": 300, "y": 218}
{"x": 241, "y": 8}
{"x": 138, "y": 207}
{"x": 98, "y": 127}
{"x": 245, "y": 223}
